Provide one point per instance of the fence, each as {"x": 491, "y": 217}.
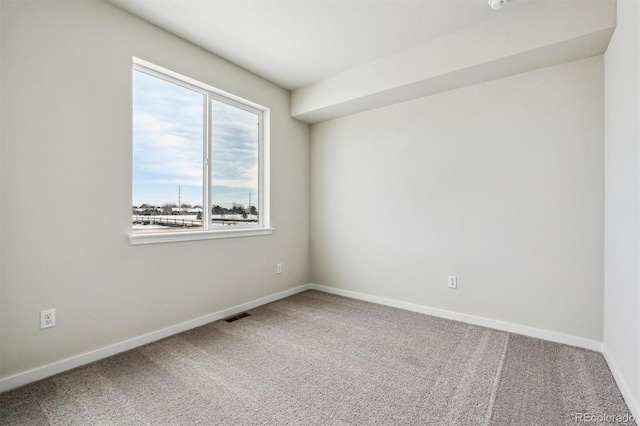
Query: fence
{"x": 174, "y": 222}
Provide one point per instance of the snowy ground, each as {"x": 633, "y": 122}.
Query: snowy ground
{"x": 191, "y": 221}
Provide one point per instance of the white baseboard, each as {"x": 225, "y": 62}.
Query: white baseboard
{"x": 45, "y": 371}
{"x": 553, "y": 336}
{"x": 633, "y": 405}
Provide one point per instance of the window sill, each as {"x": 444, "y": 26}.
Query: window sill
{"x": 172, "y": 237}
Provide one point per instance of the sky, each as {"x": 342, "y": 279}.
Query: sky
{"x": 168, "y": 132}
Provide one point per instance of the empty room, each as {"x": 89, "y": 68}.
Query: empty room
{"x": 319, "y": 212}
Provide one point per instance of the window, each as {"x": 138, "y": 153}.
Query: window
{"x": 199, "y": 168}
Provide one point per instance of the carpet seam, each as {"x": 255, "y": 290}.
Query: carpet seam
{"x": 474, "y": 362}
{"x": 50, "y": 420}
{"x": 496, "y": 381}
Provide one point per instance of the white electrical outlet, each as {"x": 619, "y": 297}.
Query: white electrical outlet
{"x": 279, "y": 268}
{"x": 48, "y": 318}
{"x": 452, "y": 282}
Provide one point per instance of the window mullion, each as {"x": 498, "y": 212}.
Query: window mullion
{"x": 206, "y": 206}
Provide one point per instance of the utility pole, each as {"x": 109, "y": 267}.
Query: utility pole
{"x": 179, "y": 200}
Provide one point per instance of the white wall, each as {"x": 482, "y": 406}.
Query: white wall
{"x": 66, "y": 151}
{"x": 622, "y": 201}
{"x": 500, "y": 183}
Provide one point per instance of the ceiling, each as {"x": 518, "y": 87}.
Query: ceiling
{"x": 340, "y": 57}
{"x": 294, "y": 43}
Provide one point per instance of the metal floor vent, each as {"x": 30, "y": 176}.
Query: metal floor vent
{"x": 237, "y": 317}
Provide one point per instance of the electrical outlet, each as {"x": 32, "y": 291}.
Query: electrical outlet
{"x": 452, "y": 282}
{"x": 279, "y": 268}
{"x": 48, "y": 318}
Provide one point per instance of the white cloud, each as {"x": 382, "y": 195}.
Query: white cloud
{"x": 168, "y": 143}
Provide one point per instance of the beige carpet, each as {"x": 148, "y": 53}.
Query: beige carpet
{"x": 320, "y": 359}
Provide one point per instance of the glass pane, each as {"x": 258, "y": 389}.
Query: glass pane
{"x": 234, "y": 166}
{"x": 167, "y": 155}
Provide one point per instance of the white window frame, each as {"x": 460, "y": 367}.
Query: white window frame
{"x": 211, "y": 93}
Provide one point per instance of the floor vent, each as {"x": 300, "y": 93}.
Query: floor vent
{"x": 237, "y": 317}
